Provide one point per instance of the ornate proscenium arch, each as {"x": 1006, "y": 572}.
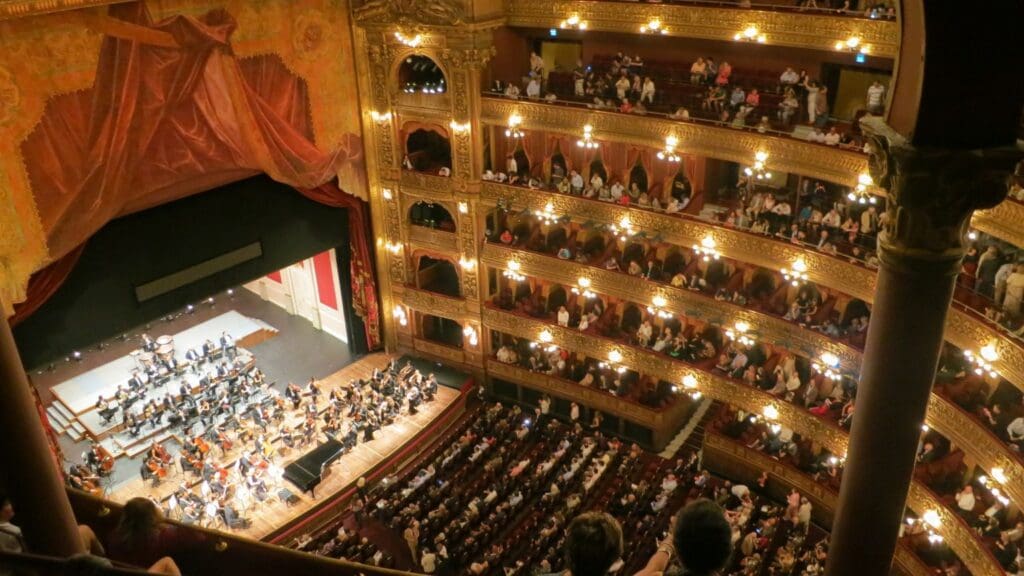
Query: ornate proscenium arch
{"x": 937, "y": 173}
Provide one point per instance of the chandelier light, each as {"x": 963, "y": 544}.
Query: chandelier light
{"x": 653, "y": 26}
{"x": 587, "y": 141}
{"x": 573, "y": 23}
{"x": 669, "y": 153}
{"x": 513, "y": 130}
{"x": 547, "y": 216}
{"x": 707, "y": 249}
{"x": 931, "y": 521}
{"x": 983, "y": 360}
{"x": 657, "y": 307}
{"x": 582, "y": 288}
{"x": 861, "y": 194}
{"x": 689, "y": 387}
{"x": 410, "y": 41}
{"x": 750, "y": 34}
{"x": 972, "y": 235}
{"x": 624, "y": 230}
{"x": 614, "y": 358}
{"x": 853, "y": 44}
{"x": 512, "y": 271}
{"x": 994, "y": 483}
{"x": 759, "y": 169}
{"x": 828, "y": 366}
{"x": 738, "y": 334}
{"x": 796, "y": 275}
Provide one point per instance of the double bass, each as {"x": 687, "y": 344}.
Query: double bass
{"x": 160, "y": 453}
{"x": 157, "y": 468}
{"x": 105, "y": 462}
{"x": 201, "y": 445}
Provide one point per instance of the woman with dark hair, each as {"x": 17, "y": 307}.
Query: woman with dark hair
{"x": 143, "y": 539}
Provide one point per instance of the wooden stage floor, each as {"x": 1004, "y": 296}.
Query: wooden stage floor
{"x": 272, "y": 514}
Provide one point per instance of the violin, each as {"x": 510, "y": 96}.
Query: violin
{"x": 157, "y": 468}
{"x": 106, "y": 461}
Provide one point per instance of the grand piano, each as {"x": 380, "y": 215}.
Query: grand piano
{"x": 307, "y": 472}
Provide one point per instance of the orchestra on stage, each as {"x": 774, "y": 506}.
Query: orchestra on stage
{"x": 231, "y": 423}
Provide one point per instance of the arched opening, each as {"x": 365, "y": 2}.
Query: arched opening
{"x": 431, "y": 215}
{"x": 559, "y": 168}
{"x": 442, "y": 331}
{"x": 438, "y": 275}
{"x": 428, "y": 151}
{"x": 556, "y": 239}
{"x": 557, "y": 298}
{"x": 681, "y": 187}
{"x": 674, "y": 263}
{"x": 419, "y": 73}
{"x": 597, "y": 168}
{"x": 594, "y": 246}
{"x": 638, "y": 176}
{"x": 762, "y": 285}
{"x": 631, "y": 318}
{"x": 634, "y": 252}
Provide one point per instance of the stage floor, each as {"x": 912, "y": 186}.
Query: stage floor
{"x": 272, "y": 514}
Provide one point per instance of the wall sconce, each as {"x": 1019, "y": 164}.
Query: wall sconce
{"x": 573, "y": 22}
{"x": 798, "y": 274}
{"x": 387, "y": 194}
{"x": 994, "y": 483}
{"x": 827, "y": 365}
{"x": 512, "y": 271}
{"x": 582, "y": 288}
{"x": 760, "y": 168}
{"x": 657, "y": 307}
{"x": 770, "y": 412}
{"x": 669, "y": 153}
{"x": 624, "y": 229}
{"x": 750, "y": 34}
{"x": 460, "y": 128}
{"x": 738, "y": 334}
{"x": 470, "y": 333}
{"x": 861, "y": 193}
{"x": 653, "y": 26}
{"x": 547, "y": 216}
{"x": 545, "y": 336}
{"x": 853, "y": 44}
{"x": 393, "y": 247}
{"x": 983, "y": 360}
{"x": 411, "y": 42}
{"x": 399, "y": 313}
{"x": 379, "y": 116}
{"x": 463, "y": 207}
{"x": 588, "y": 141}
{"x": 707, "y": 249}
{"x": 467, "y": 263}
{"x": 690, "y": 386}
{"x": 513, "y": 130}
{"x": 615, "y": 356}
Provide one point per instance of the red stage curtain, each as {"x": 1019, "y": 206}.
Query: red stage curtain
{"x": 364, "y": 282}
{"x": 44, "y": 283}
{"x": 172, "y": 112}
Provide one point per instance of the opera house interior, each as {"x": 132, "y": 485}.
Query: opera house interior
{"x": 511, "y": 287}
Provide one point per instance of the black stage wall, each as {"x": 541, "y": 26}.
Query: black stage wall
{"x": 98, "y": 300}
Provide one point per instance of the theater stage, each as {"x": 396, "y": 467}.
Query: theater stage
{"x": 272, "y": 514}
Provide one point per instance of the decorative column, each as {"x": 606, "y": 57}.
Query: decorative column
{"x": 931, "y": 196}
{"x": 28, "y": 474}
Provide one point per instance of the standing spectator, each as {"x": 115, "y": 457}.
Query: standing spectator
{"x": 647, "y": 93}
{"x": 869, "y": 221}
{"x": 579, "y": 75}
{"x": 701, "y": 538}
{"x": 1014, "y": 290}
{"x": 412, "y": 537}
{"x": 812, "y": 99}
{"x": 593, "y": 543}
{"x": 11, "y": 539}
{"x": 821, "y": 105}
{"x": 533, "y": 87}
{"x": 622, "y": 87}
{"x": 724, "y": 72}
{"x": 789, "y": 78}
{"x": 698, "y": 71}
{"x": 876, "y": 97}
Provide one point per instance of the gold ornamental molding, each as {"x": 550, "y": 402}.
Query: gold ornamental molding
{"x": 10, "y": 9}
{"x": 694, "y": 305}
{"x": 437, "y": 186}
{"x": 749, "y": 399}
{"x": 440, "y": 351}
{"x": 786, "y": 154}
{"x": 434, "y": 304}
{"x": 962, "y": 328}
{"x": 909, "y": 564}
{"x": 1005, "y": 221}
{"x": 813, "y": 31}
{"x": 433, "y": 240}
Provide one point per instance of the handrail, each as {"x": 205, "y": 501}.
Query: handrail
{"x": 978, "y": 559}
{"x": 702, "y": 138}
{"x": 210, "y": 553}
{"x": 39, "y": 564}
{"x": 965, "y": 328}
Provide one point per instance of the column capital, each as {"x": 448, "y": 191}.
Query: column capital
{"x": 932, "y": 194}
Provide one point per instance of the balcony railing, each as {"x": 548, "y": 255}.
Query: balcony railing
{"x": 817, "y": 30}
{"x": 433, "y": 239}
{"x": 966, "y": 327}
{"x": 700, "y": 137}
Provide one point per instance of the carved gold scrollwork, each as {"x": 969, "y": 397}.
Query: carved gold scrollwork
{"x": 1003, "y": 222}
{"x": 433, "y": 240}
{"x": 787, "y": 154}
{"x": 435, "y": 304}
{"x": 468, "y": 247}
{"x": 432, "y": 12}
{"x": 428, "y": 182}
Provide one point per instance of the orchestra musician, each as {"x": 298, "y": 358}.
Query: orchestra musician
{"x": 293, "y": 393}
{"x": 99, "y": 460}
{"x": 209, "y": 348}
{"x": 105, "y": 410}
{"x": 132, "y": 423}
{"x": 135, "y": 382}
{"x": 158, "y": 452}
{"x": 228, "y": 344}
{"x": 313, "y": 390}
{"x": 430, "y": 387}
{"x": 148, "y": 344}
{"x": 80, "y": 478}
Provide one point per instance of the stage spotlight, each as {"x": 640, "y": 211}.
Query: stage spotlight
{"x": 51, "y": 367}
{"x": 210, "y": 300}
{"x": 77, "y": 356}
{"x": 231, "y": 291}
{"x": 190, "y": 308}
{"x": 122, "y": 337}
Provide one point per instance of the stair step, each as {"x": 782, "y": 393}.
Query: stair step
{"x": 56, "y": 417}
{"x": 64, "y": 410}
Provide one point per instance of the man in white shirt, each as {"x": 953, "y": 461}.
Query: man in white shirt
{"x": 621, "y": 87}
{"x": 875, "y": 98}
{"x": 789, "y": 77}
{"x": 11, "y": 539}
{"x": 533, "y": 88}
{"x": 617, "y": 190}
{"x": 965, "y": 499}
{"x": 1016, "y": 430}
{"x": 563, "y": 316}
{"x": 648, "y": 91}
{"x": 576, "y": 182}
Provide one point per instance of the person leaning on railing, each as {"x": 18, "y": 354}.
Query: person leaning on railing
{"x": 142, "y": 538}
